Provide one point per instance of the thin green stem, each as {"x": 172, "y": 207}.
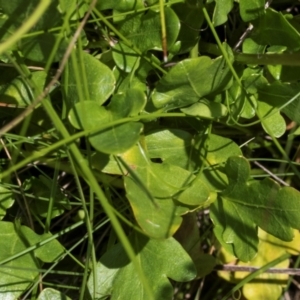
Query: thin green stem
{"x": 70, "y": 139}
{"x": 52, "y": 196}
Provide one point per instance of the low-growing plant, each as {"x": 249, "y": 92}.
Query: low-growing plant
{"x": 149, "y": 149}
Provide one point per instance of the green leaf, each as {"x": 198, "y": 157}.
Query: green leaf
{"x": 274, "y": 123}
{"x": 251, "y": 9}
{"x": 19, "y": 10}
{"x": 18, "y": 91}
{"x": 277, "y": 94}
{"x": 217, "y": 216}
{"x": 125, "y": 58}
{"x": 171, "y": 145}
{"x": 251, "y": 47}
{"x": 191, "y": 18}
{"x": 19, "y": 273}
{"x": 125, "y": 81}
{"x": 6, "y": 200}
{"x": 14, "y": 281}
{"x": 272, "y": 28}
{"x": 206, "y": 109}
{"x": 41, "y": 188}
{"x": 52, "y": 294}
{"x": 158, "y": 218}
{"x": 39, "y": 48}
{"x": 7, "y": 30}
{"x": 79, "y": 8}
{"x": 107, "y": 164}
{"x": 127, "y": 104}
{"x": 121, "y": 5}
{"x": 47, "y": 253}
{"x": 168, "y": 181}
{"x": 178, "y": 147}
{"x": 219, "y": 149}
{"x": 119, "y": 279}
{"x": 116, "y": 139}
{"x": 160, "y": 193}
{"x": 100, "y": 80}
{"x": 223, "y": 7}
{"x": 189, "y": 81}
{"x": 144, "y": 29}
{"x": 245, "y": 205}
{"x": 241, "y": 232}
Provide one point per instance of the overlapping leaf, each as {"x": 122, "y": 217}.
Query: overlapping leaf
{"x": 144, "y": 29}
{"x": 39, "y": 48}
{"x": 273, "y": 28}
{"x": 125, "y": 58}
{"x": 223, "y": 7}
{"x": 12, "y": 283}
{"x": 272, "y": 122}
{"x": 171, "y": 145}
{"x": 160, "y": 193}
{"x": 278, "y": 94}
{"x": 53, "y": 294}
{"x": 206, "y": 109}
{"x": 267, "y": 285}
{"x": 121, "y": 5}
{"x": 78, "y": 8}
{"x": 19, "y": 10}
{"x": 245, "y": 205}
{"x": 251, "y": 9}
{"x": 115, "y": 139}
{"x": 190, "y": 80}
{"x": 190, "y": 239}
{"x": 41, "y": 188}
{"x": 97, "y": 77}
{"x": 191, "y": 17}
{"x": 6, "y": 200}
{"x": 18, "y": 91}
{"x": 159, "y": 259}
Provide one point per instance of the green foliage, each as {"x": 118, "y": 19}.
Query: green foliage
{"x": 191, "y": 80}
{"x": 18, "y": 272}
{"x": 96, "y": 82}
{"x": 128, "y": 132}
{"x": 119, "y": 279}
{"x": 245, "y": 205}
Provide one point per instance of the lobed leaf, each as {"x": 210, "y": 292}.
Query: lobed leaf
{"x": 160, "y": 193}
{"x": 245, "y": 205}
{"x": 118, "y": 278}
{"x": 266, "y": 285}
{"x": 19, "y": 273}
